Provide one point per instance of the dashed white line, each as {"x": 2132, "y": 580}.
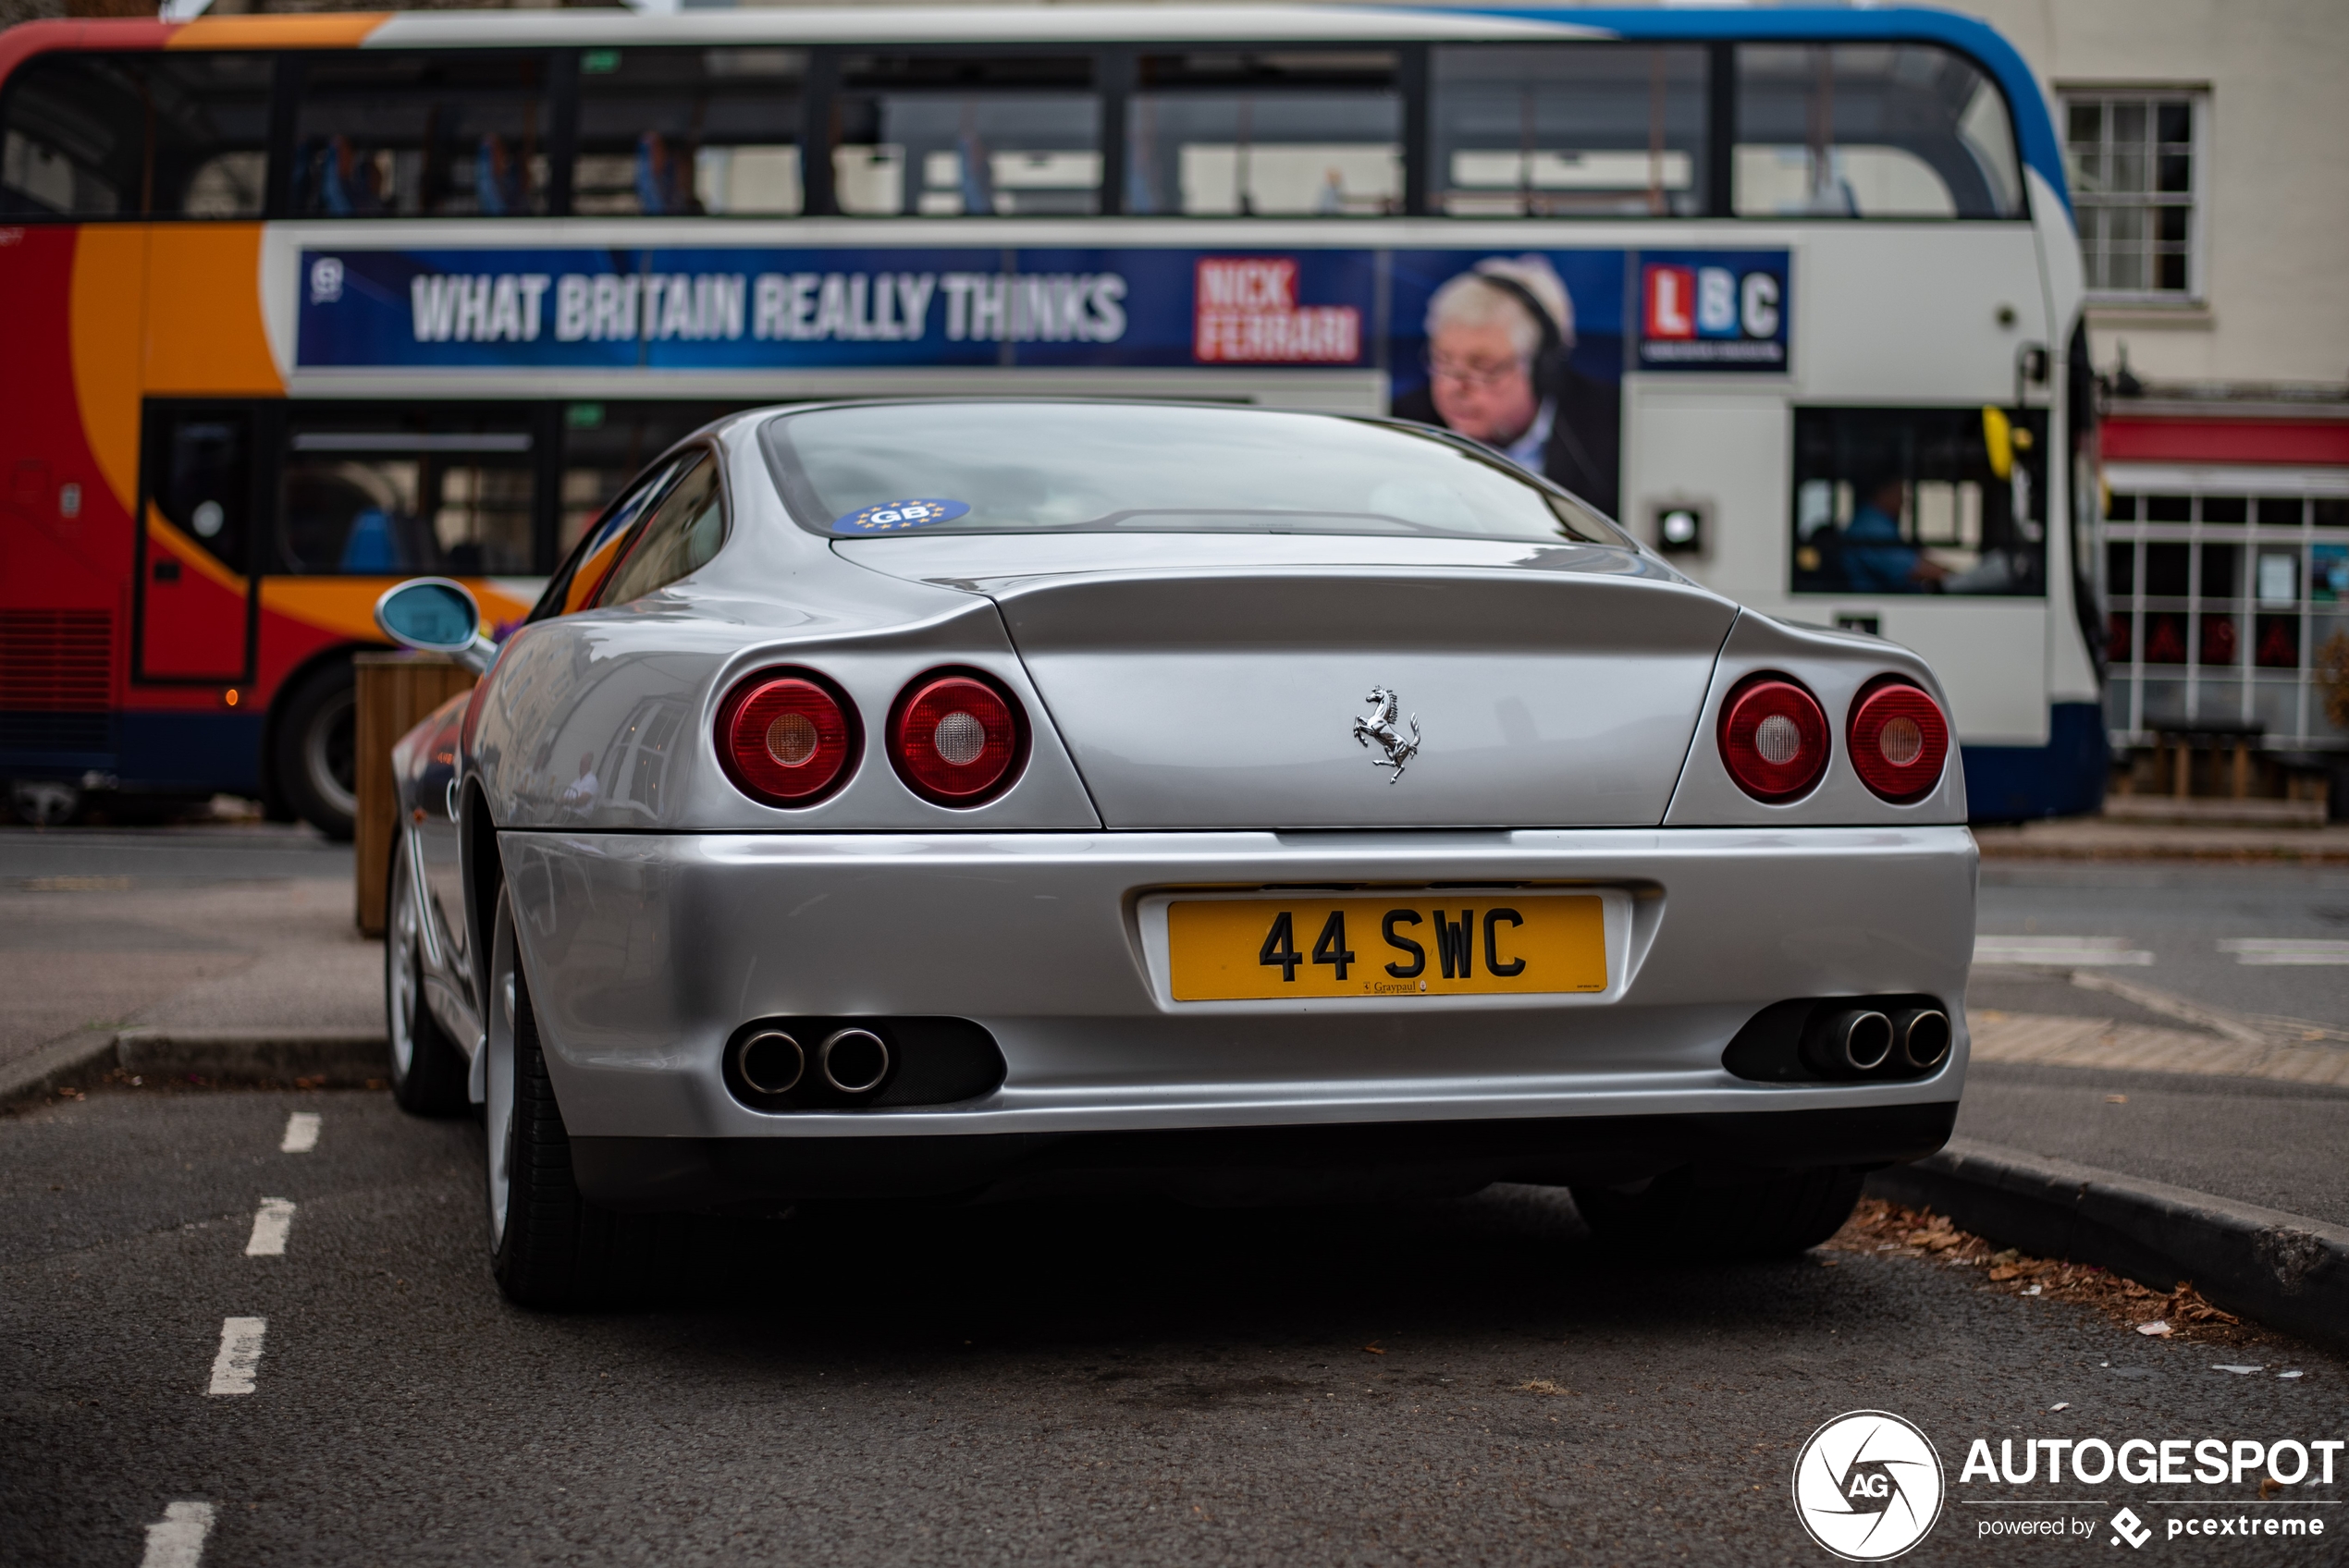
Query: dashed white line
{"x": 240, "y": 1357}
{"x": 2059, "y": 953}
{"x": 2275, "y": 951}
{"x": 301, "y": 1133}
{"x": 178, "y": 1542}
{"x": 270, "y": 1223}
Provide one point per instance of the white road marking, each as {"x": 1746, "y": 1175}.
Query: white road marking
{"x": 239, "y": 1357}
{"x": 2277, "y": 951}
{"x": 301, "y": 1133}
{"x": 178, "y": 1542}
{"x": 2059, "y": 953}
{"x": 270, "y": 1223}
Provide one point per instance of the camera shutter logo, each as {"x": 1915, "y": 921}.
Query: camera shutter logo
{"x": 1868, "y": 1486}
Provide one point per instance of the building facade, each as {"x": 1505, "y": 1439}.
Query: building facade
{"x": 2208, "y": 153}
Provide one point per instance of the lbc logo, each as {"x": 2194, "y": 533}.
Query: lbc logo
{"x": 1685, "y": 302}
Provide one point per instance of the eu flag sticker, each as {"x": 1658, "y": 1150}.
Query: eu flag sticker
{"x": 895, "y": 517}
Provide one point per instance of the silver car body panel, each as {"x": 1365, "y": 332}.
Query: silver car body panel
{"x": 647, "y": 951}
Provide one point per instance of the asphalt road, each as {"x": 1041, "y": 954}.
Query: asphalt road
{"x": 1018, "y": 1385}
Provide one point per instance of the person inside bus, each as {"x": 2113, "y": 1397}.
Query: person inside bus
{"x": 1498, "y": 341}
{"x": 1876, "y": 559}
{"x": 345, "y": 180}
{"x": 662, "y": 186}
{"x": 497, "y": 182}
{"x": 371, "y": 544}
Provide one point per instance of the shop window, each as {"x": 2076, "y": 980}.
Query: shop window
{"x": 1871, "y": 131}
{"x": 2169, "y": 571}
{"x": 677, "y": 132}
{"x": 1273, "y": 134}
{"x": 2120, "y": 569}
{"x": 954, "y": 135}
{"x": 458, "y": 135}
{"x": 2169, "y": 509}
{"x": 1919, "y": 501}
{"x": 1568, "y": 129}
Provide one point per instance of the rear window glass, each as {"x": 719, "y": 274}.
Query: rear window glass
{"x": 877, "y": 469}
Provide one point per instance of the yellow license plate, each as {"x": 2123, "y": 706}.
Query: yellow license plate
{"x": 1403, "y": 944}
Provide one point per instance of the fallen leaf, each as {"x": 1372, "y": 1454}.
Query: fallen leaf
{"x": 2116, "y": 1099}
{"x": 2005, "y": 1271}
{"x": 1373, "y": 1349}
{"x": 2158, "y": 1329}
{"x": 1541, "y": 1386}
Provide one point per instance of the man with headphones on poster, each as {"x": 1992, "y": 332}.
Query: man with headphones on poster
{"x": 1498, "y": 340}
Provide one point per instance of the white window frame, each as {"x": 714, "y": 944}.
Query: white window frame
{"x": 2196, "y": 295}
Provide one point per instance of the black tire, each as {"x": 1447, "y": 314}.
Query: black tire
{"x": 429, "y": 1071}
{"x": 555, "y": 1250}
{"x": 315, "y": 754}
{"x": 1724, "y": 1214}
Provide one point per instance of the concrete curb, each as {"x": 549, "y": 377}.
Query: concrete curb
{"x": 2282, "y": 1270}
{"x": 344, "y": 1058}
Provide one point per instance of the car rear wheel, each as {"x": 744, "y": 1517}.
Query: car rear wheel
{"x": 550, "y": 1246}
{"x": 1724, "y": 1213}
{"x": 316, "y": 750}
{"x": 427, "y": 1069}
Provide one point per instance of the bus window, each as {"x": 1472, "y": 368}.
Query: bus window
{"x": 368, "y": 492}
{"x": 1285, "y": 134}
{"x": 1919, "y": 501}
{"x": 943, "y": 136}
{"x": 677, "y": 131}
{"x": 125, "y": 135}
{"x": 606, "y": 444}
{"x": 457, "y": 135}
{"x": 1871, "y": 131}
{"x": 71, "y": 149}
{"x": 1566, "y": 130}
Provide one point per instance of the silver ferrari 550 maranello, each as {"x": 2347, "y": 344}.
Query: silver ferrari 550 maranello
{"x": 960, "y": 799}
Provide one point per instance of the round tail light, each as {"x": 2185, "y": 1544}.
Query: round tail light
{"x": 786, "y": 738}
{"x": 1774, "y": 738}
{"x": 1899, "y": 740}
{"x": 957, "y": 740}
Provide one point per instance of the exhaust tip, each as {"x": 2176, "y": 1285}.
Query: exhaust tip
{"x": 1922, "y": 1036}
{"x": 770, "y": 1062}
{"x": 852, "y": 1061}
{"x": 1858, "y": 1040}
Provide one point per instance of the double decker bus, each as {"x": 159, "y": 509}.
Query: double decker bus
{"x": 301, "y": 305}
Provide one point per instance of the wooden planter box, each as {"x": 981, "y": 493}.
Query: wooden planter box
{"x": 396, "y": 691}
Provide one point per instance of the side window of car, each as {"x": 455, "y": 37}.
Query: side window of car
{"x": 600, "y": 544}
{"x": 680, "y": 535}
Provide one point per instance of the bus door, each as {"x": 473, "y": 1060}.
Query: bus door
{"x": 196, "y": 544}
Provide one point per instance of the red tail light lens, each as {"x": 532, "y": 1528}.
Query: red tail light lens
{"x": 1899, "y": 740}
{"x": 786, "y": 738}
{"x": 957, "y": 740}
{"x": 1774, "y": 738}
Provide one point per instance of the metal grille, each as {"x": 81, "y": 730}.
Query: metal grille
{"x": 57, "y": 670}
{"x": 54, "y": 660}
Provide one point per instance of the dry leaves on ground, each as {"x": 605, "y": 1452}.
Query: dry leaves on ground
{"x": 1877, "y": 1228}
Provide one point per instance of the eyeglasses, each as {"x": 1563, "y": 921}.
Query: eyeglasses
{"x": 1473, "y": 374}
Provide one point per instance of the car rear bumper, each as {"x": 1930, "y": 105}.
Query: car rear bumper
{"x": 645, "y": 952}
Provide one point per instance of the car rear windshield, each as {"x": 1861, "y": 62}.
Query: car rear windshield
{"x": 881, "y": 469}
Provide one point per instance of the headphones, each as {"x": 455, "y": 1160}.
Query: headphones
{"x": 1549, "y": 378}
{"x": 1549, "y": 359}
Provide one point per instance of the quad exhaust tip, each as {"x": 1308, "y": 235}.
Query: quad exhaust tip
{"x": 1858, "y": 1040}
{"x": 1920, "y": 1037}
{"x": 852, "y": 1061}
{"x": 770, "y": 1062}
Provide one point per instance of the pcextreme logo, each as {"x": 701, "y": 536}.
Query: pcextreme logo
{"x": 1868, "y": 1486}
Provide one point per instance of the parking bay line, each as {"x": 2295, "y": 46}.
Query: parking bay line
{"x": 301, "y": 1133}
{"x": 240, "y": 1357}
{"x": 270, "y": 1223}
{"x": 177, "y": 1541}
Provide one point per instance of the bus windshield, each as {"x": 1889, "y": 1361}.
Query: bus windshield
{"x": 1032, "y": 467}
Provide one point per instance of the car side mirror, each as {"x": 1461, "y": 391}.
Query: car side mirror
{"x": 432, "y": 615}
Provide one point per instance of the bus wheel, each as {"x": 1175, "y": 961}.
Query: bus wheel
{"x": 317, "y": 750}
